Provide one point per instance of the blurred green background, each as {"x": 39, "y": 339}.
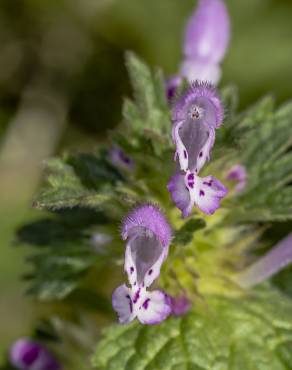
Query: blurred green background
{"x": 62, "y": 80}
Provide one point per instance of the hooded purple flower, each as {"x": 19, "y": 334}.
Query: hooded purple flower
{"x": 195, "y": 117}
{"x": 189, "y": 189}
{"x": 148, "y": 236}
{"x": 26, "y": 354}
{"x": 238, "y": 174}
{"x": 120, "y": 160}
{"x": 206, "y": 41}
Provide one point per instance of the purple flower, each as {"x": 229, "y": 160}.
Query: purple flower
{"x": 180, "y": 305}
{"x": 171, "y": 86}
{"x": 189, "y": 189}
{"x": 120, "y": 160}
{"x": 238, "y": 173}
{"x": 275, "y": 260}
{"x": 196, "y": 116}
{"x": 26, "y": 354}
{"x": 148, "y": 236}
{"x": 206, "y": 40}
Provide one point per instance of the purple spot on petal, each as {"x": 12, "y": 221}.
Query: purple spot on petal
{"x": 136, "y": 296}
{"x": 185, "y": 154}
{"x": 191, "y": 184}
{"x": 208, "y": 183}
{"x": 202, "y": 193}
{"x": 150, "y": 272}
{"x": 191, "y": 176}
{"x": 130, "y": 302}
{"x": 200, "y": 154}
{"x": 146, "y": 303}
{"x": 131, "y": 269}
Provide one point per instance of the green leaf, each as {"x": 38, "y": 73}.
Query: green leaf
{"x": 149, "y": 112}
{"x": 141, "y": 81}
{"x": 249, "y": 333}
{"x": 264, "y": 150}
{"x": 81, "y": 180}
{"x": 63, "y": 252}
{"x": 185, "y": 234}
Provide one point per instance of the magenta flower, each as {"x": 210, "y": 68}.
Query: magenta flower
{"x": 206, "y": 41}
{"x": 148, "y": 236}
{"x": 189, "y": 189}
{"x": 120, "y": 160}
{"x": 238, "y": 174}
{"x": 196, "y": 116}
{"x": 26, "y": 354}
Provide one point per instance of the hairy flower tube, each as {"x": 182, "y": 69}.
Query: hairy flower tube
{"x": 206, "y": 40}
{"x": 238, "y": 174}
{"x": 120, "y": 160}
{"x": 26, "y": 354}
{"x": 274, "y": 261}
{"x": 148, "y": 236}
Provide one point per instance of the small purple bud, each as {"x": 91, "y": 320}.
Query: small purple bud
{"x": 180, "y": 305}
{"x": 238, "y": 173}
{"x": 26, "y": 354}
{"x": 120, "y": 160}
{"x": 171, "y": 86}
{"x": 274, "y": 261}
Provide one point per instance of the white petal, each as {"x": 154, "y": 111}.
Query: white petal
{"x": 155, "y": 307}
{"x": 207, "y": 194}
{"x": 181, "y": 151}
{"x": 123, "y": 305}
{"x": 130, "y": 266}
{"x": 154, "y": 271}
